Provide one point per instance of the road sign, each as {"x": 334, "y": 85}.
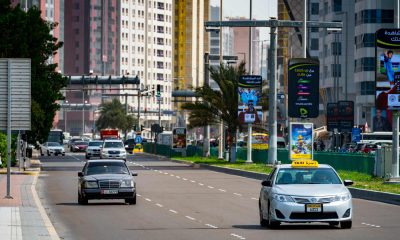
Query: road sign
{"x": 355, "y": 135}
{"x": 138, "y": 139}
{"x": 19, "y": 72}
{"x": 303, "y": 88}
{"x": 346, "y": 116}
{"x": 332, "y": 116}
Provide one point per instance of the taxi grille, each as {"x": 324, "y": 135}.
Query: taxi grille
{"x": 323, "y": 215}
{"x": 113, "y": 152}
{"x": 312, "y": 200}
{"x": 109, "y": 184}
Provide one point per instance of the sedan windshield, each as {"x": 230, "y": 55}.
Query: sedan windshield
{"x": 113, "y": 145}
{"x": 307, "y": 176}
{"x": 106, "y": 168}
{"x": 95, "y": 144}
{"x": 53, "y": 144}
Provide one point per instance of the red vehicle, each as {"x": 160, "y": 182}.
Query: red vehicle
{"x": 109, "y": 134}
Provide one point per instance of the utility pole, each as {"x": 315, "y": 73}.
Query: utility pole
{"x": 249, "y": 125}
{"x": 221, "y": 143}
{"x": 206, "y": 142}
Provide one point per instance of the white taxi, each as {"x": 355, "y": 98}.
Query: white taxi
{"x": 303, "y": 192}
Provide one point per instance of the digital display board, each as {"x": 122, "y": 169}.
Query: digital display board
{"x": 303, "y": 88}
{"x": 249, "y": 93}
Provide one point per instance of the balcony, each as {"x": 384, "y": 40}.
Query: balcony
{"x": 160, "y": 6}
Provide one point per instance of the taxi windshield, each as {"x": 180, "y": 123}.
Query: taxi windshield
{"x": 307, "y": 176}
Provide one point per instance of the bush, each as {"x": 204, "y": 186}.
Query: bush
{"x": 3, "y": 149}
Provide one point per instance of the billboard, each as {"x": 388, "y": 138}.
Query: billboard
{"x": 303, "y": 88}
{"x": 301, "y": 141}
{"x": 249, "y": 93}
{"x": 387, "y": 75}
{"x": 332, "y": 116}
{"x": 179, "y": 138}
{"x": 346, "y": 116}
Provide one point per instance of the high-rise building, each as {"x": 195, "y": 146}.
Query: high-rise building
{"x": 146, "y": 51}
{"x": 190, "y": 44}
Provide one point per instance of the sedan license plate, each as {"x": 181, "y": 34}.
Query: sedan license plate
{"x": 112, "y": 191}
{"x": 313, "y": 207}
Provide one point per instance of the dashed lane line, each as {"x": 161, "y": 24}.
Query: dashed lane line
{"x": 211, "y": 187}
{"x": 371, "y": 225}
{"x": 201, "y": 184}
{"x": 211, "y": 226}
{"x": 237, "y": 236}
{"x": 191, "y": 218}
{"x": 238, "y": 194}
{"x": 173, "y": 211}
{"x": 147, "y": 199}
{"x": 159, "y": 205}
{"x": 256, "y": 199}
{"x": 222, "y": 190}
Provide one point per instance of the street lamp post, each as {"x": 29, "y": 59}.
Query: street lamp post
{"x": 65, "y": 117}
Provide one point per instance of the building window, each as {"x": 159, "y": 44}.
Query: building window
{"x": 364, "y": 64}
{"x": 336, "y": 70}
{"x": 365, "y": 40}
{"x": 336, "y": 48}
{"x": 337, "y": 5}
{"x": 314, "y": 8}
{"x": 314, "y": 44}
{"x": 374, "y": 16}
{"x": 367, "y": 88}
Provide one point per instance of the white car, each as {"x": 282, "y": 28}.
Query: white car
{"x": 113, "y": 148}
{"x": 50, "y": 148}
{"x": 301, "y": 194}
{"x": 93, "y": 149}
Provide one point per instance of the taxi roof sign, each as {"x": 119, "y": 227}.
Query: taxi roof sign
{"x": 305, "y": 163}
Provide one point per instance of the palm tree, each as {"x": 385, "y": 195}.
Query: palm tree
{"x": 216, "y": 106}
{"x": 112, "y": 115}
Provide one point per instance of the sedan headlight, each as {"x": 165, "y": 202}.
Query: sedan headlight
{"x": 282, "y": 198}
{"x": 91, "y": 184}
{"x": 127, "y": 183}
{"x": 342, "y": 197}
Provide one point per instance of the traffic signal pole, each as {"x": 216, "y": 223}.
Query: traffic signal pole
{"x": 273, "y": 24}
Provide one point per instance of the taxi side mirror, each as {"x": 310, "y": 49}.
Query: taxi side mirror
{"x": 266, "y": 183}
{"x": 348, "y": 182}
{"x": 134, "y": 174}
{"x": 80, "y": 174}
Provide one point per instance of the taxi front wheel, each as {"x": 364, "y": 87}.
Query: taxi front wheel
{"x": 271, "y": 223}
{"x": 263, "y": 222}
{"x": 346, "y": 224}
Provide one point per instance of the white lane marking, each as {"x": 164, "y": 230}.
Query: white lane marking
{"x": 211, "y": 226}
{"x": 192, "y": 181}
{"x": 237, "y": 194}
{"x": 184, "y": 179}
{"x": 166, "y": 173}
{"x": 189, "y": 217}
{"x": 178, "y": 177}
{"x": 173, "y": 211}
{"x": 160, "y": 171}
{"x": 172, "y": 175}
{"x": 254, "y": 198}
{"x": 75, "y": 157}
{"x": 138, "y": 195}
{"x": 201, "y": 184}
{"x": 159, "y": 205}
{"x": 147, "y": 199}
{"x": 238, "y": 236}
{"x": 210, "y": 187}
{"x": 371, "y": 225}
{"x": 222, "y": 190}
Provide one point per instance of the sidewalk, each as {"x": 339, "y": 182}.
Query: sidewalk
{"x": 23, "y": 216}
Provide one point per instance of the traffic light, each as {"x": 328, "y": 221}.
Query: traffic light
{"x": 158, "y": 93}
{"x": 141, "y": 128}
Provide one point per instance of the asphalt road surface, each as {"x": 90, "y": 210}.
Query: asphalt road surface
{"x": 180, "y": 202}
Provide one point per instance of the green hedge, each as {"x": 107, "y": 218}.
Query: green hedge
{"x": 362, "y": 163}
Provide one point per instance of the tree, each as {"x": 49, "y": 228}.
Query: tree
{"x": 112, "y": 115}
{"x": 27, "y": 35}
{"x": 218, "y": 105}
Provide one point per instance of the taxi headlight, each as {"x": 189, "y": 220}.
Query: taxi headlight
{"x": 127, "y": 183}
{"x": 342, "y": 197}
{"x": 91, "y": 184}
{"x": 282, "y": 198}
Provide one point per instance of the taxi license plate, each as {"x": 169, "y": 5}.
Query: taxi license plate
{"x": 313, "y": 207}
{"x": 114, "y": 191}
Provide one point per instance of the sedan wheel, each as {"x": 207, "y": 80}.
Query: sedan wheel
{"x": 263, "y": 222}
{"x": 82, "y": 200}
{"x": 271, "y": 223}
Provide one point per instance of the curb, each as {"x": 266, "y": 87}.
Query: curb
{"x": 384, "y": 197}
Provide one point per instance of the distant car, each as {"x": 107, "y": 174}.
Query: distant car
{"x": 93, "y": 149}
{"x": 79, "y": 146}
{"x": 106, "y": 179}
{"x": 130, "y": 145}
{"x": 50, "y": 148}
{"x": 114, "y": 149}
{"x": 72, "y": 140}
{"x": 295, "y": 194}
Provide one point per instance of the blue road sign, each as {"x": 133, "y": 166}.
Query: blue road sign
{"x": 356, "y": 135}
{"x": 138, "y": 139}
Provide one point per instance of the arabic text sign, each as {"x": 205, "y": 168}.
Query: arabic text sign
{"x": 301, "y": 141}
{"x": 303, "y": 88}
{"x": 249, "y": 93}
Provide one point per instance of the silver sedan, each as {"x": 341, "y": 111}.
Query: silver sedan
{"x": 305, "y": 194}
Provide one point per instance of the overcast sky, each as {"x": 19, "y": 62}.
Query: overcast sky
{"x": 262, "y": 10}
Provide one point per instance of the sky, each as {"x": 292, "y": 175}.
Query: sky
{"x": 262, "y": 10}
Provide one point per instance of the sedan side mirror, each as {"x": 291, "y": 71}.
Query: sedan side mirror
{"x": 266, "y": 183}
{"x": 80, "y": 174}
{"x": 134, "y": 174}
{"x": 348, "y": 182}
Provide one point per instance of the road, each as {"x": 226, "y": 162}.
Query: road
{"x": 179, "y": 202}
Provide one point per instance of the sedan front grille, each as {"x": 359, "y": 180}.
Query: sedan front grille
{"x": 109, "y": 184}
{"x": 311, "y": 215}
{"x": 305, "y": 200}
{"x": 113, "y": 152}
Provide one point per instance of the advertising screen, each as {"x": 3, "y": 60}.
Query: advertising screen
{"x": 301, "y": 141}
{"x": 249, "y": 92}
